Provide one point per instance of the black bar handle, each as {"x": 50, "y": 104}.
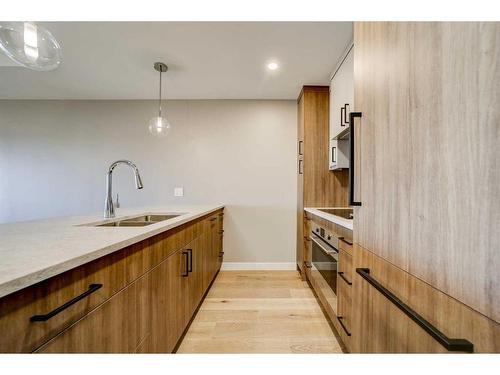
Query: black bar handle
{"x": 340, "y": 318}
{"x": 453, "y": 345}
{"x": 42, "y": 318}
{"x": 301, "y": 168}
{"x": 346, "y": 241}
{"x": 190, "y": 254}
{"x": 186, "y": 274}
{"x": 352, "y": 115}
{"x": 300, "y": 148}
{"x": 346, "y": 111}
{"x": 213, "y": 219}
{"x": 334, "y": 149}
{"x": 221, "y": 231}
{"x": 221, "y": 254}
{"x": 308, "y": 265}
{"x": 341, "y": 274}
{"x": 342, "y": 115}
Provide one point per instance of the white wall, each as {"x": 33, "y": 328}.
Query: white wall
{"x": 54, "y": 156}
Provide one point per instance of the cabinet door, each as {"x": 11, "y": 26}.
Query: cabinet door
{"x": 342, "y": 96}
{"x": 427, "y": 92}
{"x": 169, "y": 316}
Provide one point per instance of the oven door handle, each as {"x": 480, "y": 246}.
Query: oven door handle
{"x": 330, "y": 253}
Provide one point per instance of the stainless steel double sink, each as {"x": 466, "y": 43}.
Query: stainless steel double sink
{"x": 138, "y": 221}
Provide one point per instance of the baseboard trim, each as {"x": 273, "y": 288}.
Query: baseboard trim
{"x": 235, "y": 266}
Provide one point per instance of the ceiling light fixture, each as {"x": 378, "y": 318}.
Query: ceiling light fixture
{"x": 272, "y": 66}
{"x": 159, "y": 126}
{"x": 30, "y": 45}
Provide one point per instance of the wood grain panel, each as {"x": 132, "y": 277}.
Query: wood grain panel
{"x": 429, "y": 153}
{"x": 380, "y": 327}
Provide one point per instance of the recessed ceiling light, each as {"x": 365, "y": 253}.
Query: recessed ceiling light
{"x": 272, "y": 66}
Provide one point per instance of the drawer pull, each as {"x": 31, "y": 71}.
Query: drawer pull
{"x": 453, "y": 345}
{"x": 341, "y": 274}
{"x": 42, "y": 318}
{"x": 221, "y": 254}
{"x": 346, "y": 241}
{"x": 221, "y": 231}
{"x": 340, "y": 318}
{"x": 190, "y": 257}
{"x": 186, "y": 273}
{"x": 308, "y": 265}
{"x": 213, "y": 219}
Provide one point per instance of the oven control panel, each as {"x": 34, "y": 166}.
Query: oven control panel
{"x": 325, "y": 235}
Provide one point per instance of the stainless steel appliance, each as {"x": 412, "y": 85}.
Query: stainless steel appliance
{"x": 325, "y": 255}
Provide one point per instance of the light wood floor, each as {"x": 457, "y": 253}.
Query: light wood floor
{"x": 259, "y": 312}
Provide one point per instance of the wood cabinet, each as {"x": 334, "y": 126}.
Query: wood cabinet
{"x": 148, "y": 296}
{"x": 428, "y": 138}
{"x": 316, "y": 185}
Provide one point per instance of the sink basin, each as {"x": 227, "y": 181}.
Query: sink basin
{"x": 137, "y": 221}
{"x": 150, "y": 218}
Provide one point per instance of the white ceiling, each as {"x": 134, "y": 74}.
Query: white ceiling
{"x": 207, "y": 60}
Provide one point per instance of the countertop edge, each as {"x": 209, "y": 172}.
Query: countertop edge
{"x": 348, "y": 224}
{"x": 32, "y": 278}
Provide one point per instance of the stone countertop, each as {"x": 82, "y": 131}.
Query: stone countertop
{"x": 346, "y": 223}
{"x": 33, "y": 251}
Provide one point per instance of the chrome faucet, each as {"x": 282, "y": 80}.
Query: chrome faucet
{"x": 109, "y": 208}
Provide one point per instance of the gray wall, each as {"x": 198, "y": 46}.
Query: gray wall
{"x": 54, "y": 156}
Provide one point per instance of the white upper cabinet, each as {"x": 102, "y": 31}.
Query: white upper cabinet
{"x": 342, "y": 97}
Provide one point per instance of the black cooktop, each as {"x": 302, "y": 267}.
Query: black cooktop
{"x": 345, "y": 213}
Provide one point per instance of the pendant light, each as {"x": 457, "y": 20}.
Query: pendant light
{"x": 159, "y": 126}
{"x": 30, "y": 45}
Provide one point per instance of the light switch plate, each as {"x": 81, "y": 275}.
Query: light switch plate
{"x": 178, "y": 192}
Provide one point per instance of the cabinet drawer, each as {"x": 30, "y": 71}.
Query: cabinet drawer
{"x": 346, "y": 245}
{"x": 345, "y": 274}
{"x": 20, "y": 334}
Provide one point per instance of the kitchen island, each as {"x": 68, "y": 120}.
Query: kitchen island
{"x": 68, "y": 285}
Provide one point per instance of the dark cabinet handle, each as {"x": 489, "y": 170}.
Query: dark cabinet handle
{"x": 333, "y": 154}
{"x": 213, "y": 219}
{"x": 186, "y": 273}
{"x": 301, "y": 168}
{"x": 346, "y": 241}
{"x": 190, "y": 254}
{"x": 352, "y": 202}
{"x": 301, "y": 152}
{"x": 340, "y": 319}
{"x": 221, "y": 254}
{"x": 308, "y": 265}
{"x": 342, "y": 115}
{"x": 341, "y": 274}
{"x": 346, "y": 111}
{"x": 221, "y": 231}
{"x": 42, "y": 318}
{"x": 453, "y": 345}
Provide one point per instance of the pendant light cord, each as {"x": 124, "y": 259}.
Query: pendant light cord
{"x": 159, "y": 100}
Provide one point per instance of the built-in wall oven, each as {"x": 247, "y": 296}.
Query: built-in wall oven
{"x": 324, "y": 256}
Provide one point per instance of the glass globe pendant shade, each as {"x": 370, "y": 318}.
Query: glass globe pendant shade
{"x": 30, "y": 45}
{"x": 159, "y": 126}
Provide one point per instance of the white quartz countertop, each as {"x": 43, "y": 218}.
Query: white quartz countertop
{"x": 33, "y": 251}
{"x": 346, "y": 223}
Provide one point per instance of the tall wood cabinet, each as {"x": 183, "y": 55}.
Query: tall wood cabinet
{"x": 427, "y": 177}
{"x": 316, "y": 185}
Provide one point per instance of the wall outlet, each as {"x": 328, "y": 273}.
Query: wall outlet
{"x": 178, "y": 192}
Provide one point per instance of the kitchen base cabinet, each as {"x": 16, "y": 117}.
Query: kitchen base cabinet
{"x": 138, "y": 299}
{"x": 379, "y": 326}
